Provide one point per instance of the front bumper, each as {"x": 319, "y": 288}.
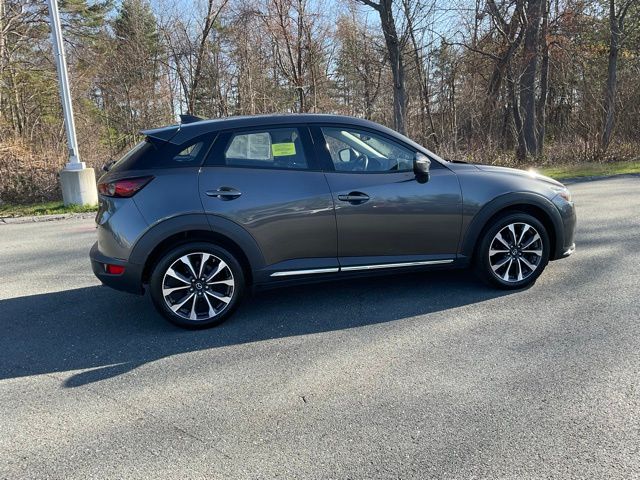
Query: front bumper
{"x": 128, "y": 281}
{"x": 568, "y": 251}
{"x": 566, "y": 238}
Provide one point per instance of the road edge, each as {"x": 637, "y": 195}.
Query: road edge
{"x": 594, "y": 178}
{"x": 46, "y": 218}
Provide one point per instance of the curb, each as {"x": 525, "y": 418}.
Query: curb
{"x": 569, "y": 181}
{"x": 46, "y": 218}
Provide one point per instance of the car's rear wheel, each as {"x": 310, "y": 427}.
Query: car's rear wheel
{"x": 197, "y": 285}
{"x": 513, "y": 251}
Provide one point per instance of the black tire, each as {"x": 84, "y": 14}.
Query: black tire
{"x": 229, "y": 283}
{"x": 512, "y": 271}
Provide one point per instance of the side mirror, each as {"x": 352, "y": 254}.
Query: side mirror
{"x": 345, "y": 155}
{"x": 421, "y": 166}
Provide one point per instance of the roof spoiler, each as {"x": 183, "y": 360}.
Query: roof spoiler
{"x": 165, "y": 134}
{"x": 185, "y": 118}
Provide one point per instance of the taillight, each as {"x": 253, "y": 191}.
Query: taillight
{"x": 113, "y": 269}
{"x": 125, "y": 187}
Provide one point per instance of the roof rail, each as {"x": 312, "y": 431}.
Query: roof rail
{"x": 185, "y": 118}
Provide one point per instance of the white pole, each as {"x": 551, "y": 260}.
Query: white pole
{"x": 65, "y": 94}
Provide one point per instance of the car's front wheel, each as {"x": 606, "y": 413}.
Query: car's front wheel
{"x": 513, "y": 251}
{"x": 197, "y": 285}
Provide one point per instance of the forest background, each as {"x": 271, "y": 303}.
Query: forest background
{"x": 510, "y": 82}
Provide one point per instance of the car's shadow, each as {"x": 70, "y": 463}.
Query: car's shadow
{"x": 107, "y": 333}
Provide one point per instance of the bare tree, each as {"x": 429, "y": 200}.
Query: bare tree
{"x": 290, "y": 25}
{"x": 616, "y": 33}
{"x": 394, "y": 49}
{"x": 528, "y": 80}
{"x": 213, "y": 12}
{"x": 193, "y": 61}
{"x": 541, "y": 116}
{"x": 360, "y": 62}
{"x": 511, "y": 32}
{"x": 411, "y": 10}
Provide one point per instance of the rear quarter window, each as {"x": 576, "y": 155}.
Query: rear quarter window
{"x": 152, "y": 154}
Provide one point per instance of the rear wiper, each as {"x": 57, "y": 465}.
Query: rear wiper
{"x": 107, "y": 166}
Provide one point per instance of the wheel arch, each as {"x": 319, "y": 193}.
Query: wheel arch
{"x": 533, "y": 204}
{"x": 176, "y": 231}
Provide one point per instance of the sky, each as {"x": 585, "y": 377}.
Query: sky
{"x": 447, "y": 13}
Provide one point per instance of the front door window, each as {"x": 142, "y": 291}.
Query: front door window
{"x": 354, "y": 150}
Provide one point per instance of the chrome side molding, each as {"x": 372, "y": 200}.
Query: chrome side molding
{"x": 395, "y": 265}
{"x": 361, "y": 267}
{"x": 305, "y": 272}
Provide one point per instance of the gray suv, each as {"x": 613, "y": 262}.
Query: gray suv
{"x": 200, "y": 212}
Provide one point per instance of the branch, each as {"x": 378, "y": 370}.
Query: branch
{"x": 475, "y": 50}
{"x": 623, "y": 11}
{"x": 498, "y": 19}
{"x": 373, "y": 5}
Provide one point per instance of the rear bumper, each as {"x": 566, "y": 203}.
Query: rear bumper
{"x": 129, "y": 281}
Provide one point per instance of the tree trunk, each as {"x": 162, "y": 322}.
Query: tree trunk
{"x": 512, "y": 35}
{"x": 544, "y": 80}
{"x": 423, "y": 83}
{"x": 394, "y": 48}
{"x": 2, "y": 50}
{"x": 616, "y": 23}
{"x": 299, "y": 59}
{"x": 206, "y": 30}
{"x": 521, "y": 152}
{"x": 16, "y": 111}
{"x": 528, "y": 82}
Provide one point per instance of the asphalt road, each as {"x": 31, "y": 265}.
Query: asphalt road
{"x": 417, "y": 376}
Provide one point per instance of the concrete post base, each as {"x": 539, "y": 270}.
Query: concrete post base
{"x": 79, "y": 187}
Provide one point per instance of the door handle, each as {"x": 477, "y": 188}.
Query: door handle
{"x": 224, "y": 193}
{"x": 354, "y": 197}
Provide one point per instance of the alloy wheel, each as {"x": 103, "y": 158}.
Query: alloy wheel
{"x": 515, "y": 252}
{"x": 198, "y": 286}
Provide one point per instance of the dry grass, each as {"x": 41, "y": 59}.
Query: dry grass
{"x": 591, "y": 169}
{"x": 46, "y": 208}
{"x": 26, "y": 178}
{"x": 556, "y": 154}
{"x": 30, "y": 178}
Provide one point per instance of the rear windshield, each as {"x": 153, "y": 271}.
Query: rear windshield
{"x": 153, "y": 153}
{"x": 129, "y": 159}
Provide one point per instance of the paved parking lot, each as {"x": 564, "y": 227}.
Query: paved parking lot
{"x": 413, "y": 376}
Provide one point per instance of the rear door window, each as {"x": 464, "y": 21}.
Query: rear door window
{"x": 268, "y": 148}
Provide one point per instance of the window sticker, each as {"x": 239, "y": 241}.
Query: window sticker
{"x": 259, "y": 146}
{"x": 283, "y": 149}
{"x": 253, "y": 146}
